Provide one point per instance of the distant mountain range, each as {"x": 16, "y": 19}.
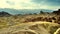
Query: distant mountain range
{"x": 23, "y": 11}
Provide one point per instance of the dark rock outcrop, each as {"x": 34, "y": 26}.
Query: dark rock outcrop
{"x": 4, "y": 14}
{"x": 57, "y": 12}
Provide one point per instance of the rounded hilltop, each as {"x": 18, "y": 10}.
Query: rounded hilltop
{"x": 3, "y": 13}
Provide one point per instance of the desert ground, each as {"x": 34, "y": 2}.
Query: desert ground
{"x": 30, "y": 24}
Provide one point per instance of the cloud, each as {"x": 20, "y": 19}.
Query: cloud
{"x": 47, "y": 2}
{"x": 10, "y": 2}
{"x": 18, "y": 4}
{"x": 3, "y": 4}
{"x": 30, "y": 4}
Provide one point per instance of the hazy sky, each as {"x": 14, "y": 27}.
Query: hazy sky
{"x": 30, "y": 4}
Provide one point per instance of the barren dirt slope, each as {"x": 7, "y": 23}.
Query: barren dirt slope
{"x": 26, "y": 28}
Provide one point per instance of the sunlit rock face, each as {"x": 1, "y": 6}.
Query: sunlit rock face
{"x": 24, "y": 32}
{"x": 57, "y": 31}
{"x": 39, "y": 29}
{"x": 32, "y": 29}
